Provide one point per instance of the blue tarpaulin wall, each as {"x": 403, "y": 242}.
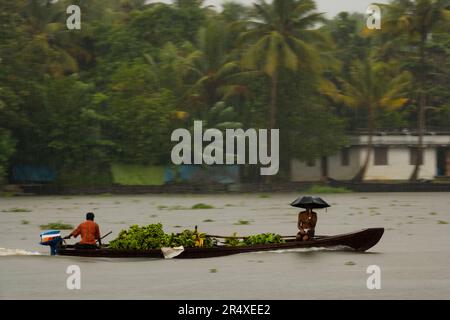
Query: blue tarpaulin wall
{"x": 202, "y": 174}
{"x": 29, "y": 173}
{"x": 224, "y": 174}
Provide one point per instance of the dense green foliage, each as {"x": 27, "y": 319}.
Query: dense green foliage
{"x": 153, "y": 237}
{"x": 6, "y": 151}
{"x": 263, "y": 238}
{"x": 140, "y": 238}
{"x": 81, "y": 100}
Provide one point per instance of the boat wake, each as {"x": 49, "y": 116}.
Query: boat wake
{"x": 313, "y": 249}
{"x": 17, "y": 252}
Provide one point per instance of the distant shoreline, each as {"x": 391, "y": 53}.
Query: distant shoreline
{"x": 311, "y": 187}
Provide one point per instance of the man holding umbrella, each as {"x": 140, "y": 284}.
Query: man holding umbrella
{"x": 307, "y": 219}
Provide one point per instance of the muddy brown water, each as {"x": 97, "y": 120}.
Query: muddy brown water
{"x": 413, "y": 255}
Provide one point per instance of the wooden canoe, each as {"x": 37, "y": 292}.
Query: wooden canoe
{"x": 357, "y": 241}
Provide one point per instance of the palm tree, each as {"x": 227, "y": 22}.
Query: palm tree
{"x": 211, "y": 69}
{"x": 372, "y": 85}
{"x": 222, "y": 117}
{"x": 44, "y": 24}
{"x": 416, "y": 20}
{"x": 234, "y": 11}
{"x": 280, "y": 38}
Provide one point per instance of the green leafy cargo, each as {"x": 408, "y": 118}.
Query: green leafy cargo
{"x": 233, "y": 241}
{"x": 140, "y": 238}
{"x": 153, "y": 237}
{"x": 263, "y": 238}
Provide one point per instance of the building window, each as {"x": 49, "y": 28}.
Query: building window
{"x": 345, "y": 157}
{"x": 311, "y": 163}
{"x": 415, "y": 157}
{"x": 381, "y": 156}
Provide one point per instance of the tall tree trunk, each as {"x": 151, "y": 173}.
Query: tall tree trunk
{"x": 273, "y": 103}
{"x": 421, "y": 112}
{"x": 272, "y": 114}
{"x": 371, "y": 126}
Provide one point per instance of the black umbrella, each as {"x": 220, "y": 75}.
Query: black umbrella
{"x": 310, "y": 202}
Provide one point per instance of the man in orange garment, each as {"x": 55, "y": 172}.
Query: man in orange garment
{"x": 89, "y": 231}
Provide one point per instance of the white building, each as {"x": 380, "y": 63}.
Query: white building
{"x": 393, "y": 158}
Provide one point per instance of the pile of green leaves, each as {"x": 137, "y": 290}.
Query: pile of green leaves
{"x": 153, "y": 237}
{"x": 263, "y": 238}
{"x": 188, "y": 239}
{"x": 140, "y": 238}
{"x": 233, "y": 241}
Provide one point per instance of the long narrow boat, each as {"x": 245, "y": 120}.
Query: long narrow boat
{"x": 358, "y": 241}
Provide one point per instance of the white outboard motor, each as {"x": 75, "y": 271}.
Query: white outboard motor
{"x": 51, "y": 238}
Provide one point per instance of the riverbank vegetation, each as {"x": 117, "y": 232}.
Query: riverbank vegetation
{"x": 109, "y": 95}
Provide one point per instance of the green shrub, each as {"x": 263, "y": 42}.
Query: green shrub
{"x": 85, "y": 177}
{"x": 7, "y": 194}
{"x": 317, "y": 189}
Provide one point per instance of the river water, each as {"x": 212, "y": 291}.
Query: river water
{"x": 413, "y": 255}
